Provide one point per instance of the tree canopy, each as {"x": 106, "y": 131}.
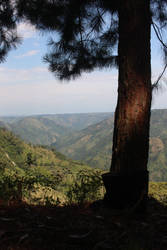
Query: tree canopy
{"x": 8, "y": 32}
{"x": 84, "y": 33}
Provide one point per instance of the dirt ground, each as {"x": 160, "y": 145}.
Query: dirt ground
{"x": 85, "y": 227}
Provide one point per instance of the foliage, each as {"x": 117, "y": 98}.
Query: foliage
{"x": 34, "y": 174}
{"x": 21, "y": 185}
{"x": 39, "y": 186}
{"x": 8, "y": 32}
{"x": 85, "y": 41}
{"x": 86, "y": 32}
{"x": 30, "y": 160}
{"x": 87, "y": 186}
{"x": 52, "y": 178}
{"x": 159, "y": 191}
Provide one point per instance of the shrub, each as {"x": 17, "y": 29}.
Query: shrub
{"x": 87, "y": 186}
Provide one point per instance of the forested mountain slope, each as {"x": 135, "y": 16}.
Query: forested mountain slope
{"x": 77, "y": 121}
{"x": 93, "y": 145}
{"x": 47, "y": 129}
{"x": 36, "y": 174}
{"x": 14, "y": 153}
{"x": 38, "y": 130}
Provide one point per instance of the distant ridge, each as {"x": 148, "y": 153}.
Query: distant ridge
{"x": 47, "y": 129}
{"x": 93, "y": 145}
{"x": 88, "y": 137}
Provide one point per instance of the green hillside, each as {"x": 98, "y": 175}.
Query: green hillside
{"x": 37, "y": 175}
{"x": 15, "y": 152}
{"x": 93, "y": 145}
{"x": 26, "y": 167}
{"x": 47, "y": 129}
{"x": 38, "y": 130}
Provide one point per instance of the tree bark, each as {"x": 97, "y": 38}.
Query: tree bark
{"x": 132, "y": 116}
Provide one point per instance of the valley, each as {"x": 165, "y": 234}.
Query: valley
{"x": 34, "y": 173}
{"x": 48, "y": 129}
{"x": 88, "y": 137}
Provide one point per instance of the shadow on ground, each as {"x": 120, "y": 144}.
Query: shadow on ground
{"x": 86, "y": 227}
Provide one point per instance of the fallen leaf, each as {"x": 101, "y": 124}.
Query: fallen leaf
{"x": 6, "y": 219}
{"x": 23, "y": 237}
{"x": 79, "y": 236}
{"x": 99, "y": 217}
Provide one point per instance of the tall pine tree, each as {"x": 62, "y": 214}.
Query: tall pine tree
{"x": 86, "y": 35}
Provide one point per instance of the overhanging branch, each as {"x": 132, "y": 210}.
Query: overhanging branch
{"x": 159, "y": 36}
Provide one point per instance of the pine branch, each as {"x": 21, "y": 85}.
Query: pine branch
{"x": 159, "y": 36}
{"x": 94, "y": 26}
{"x": 155, "y": 84}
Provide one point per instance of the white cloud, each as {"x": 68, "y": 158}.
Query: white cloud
{"x": 27, "y": 54}
{"x": 26, "y": 30}
{"x": 23, "y": 76}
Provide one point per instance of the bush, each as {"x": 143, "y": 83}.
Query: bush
{"x": 22, "y": 186}
{"x": 87, "y": 186}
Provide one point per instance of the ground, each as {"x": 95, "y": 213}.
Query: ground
{"x": 85, "y": 227}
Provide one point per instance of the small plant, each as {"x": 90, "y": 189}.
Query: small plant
{"x": 30, "y": 159}
{"x": 87, "y": 186}
{"x": 158, "y": 190}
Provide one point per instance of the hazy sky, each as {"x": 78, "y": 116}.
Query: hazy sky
{"x": 26, "y": 86}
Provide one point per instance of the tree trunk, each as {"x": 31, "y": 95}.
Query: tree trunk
{"x": 132, "y": 116}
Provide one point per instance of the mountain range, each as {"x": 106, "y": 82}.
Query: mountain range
{"x": 93, "y": 145}
{"x": 88, "y": 137}
{"x": 16, "y": 154}
{"x": 48, "y": 129}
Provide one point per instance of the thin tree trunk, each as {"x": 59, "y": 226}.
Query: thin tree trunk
{"x": 132, "y": 116}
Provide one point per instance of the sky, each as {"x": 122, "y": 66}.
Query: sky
{"x": 28, "y": 88}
